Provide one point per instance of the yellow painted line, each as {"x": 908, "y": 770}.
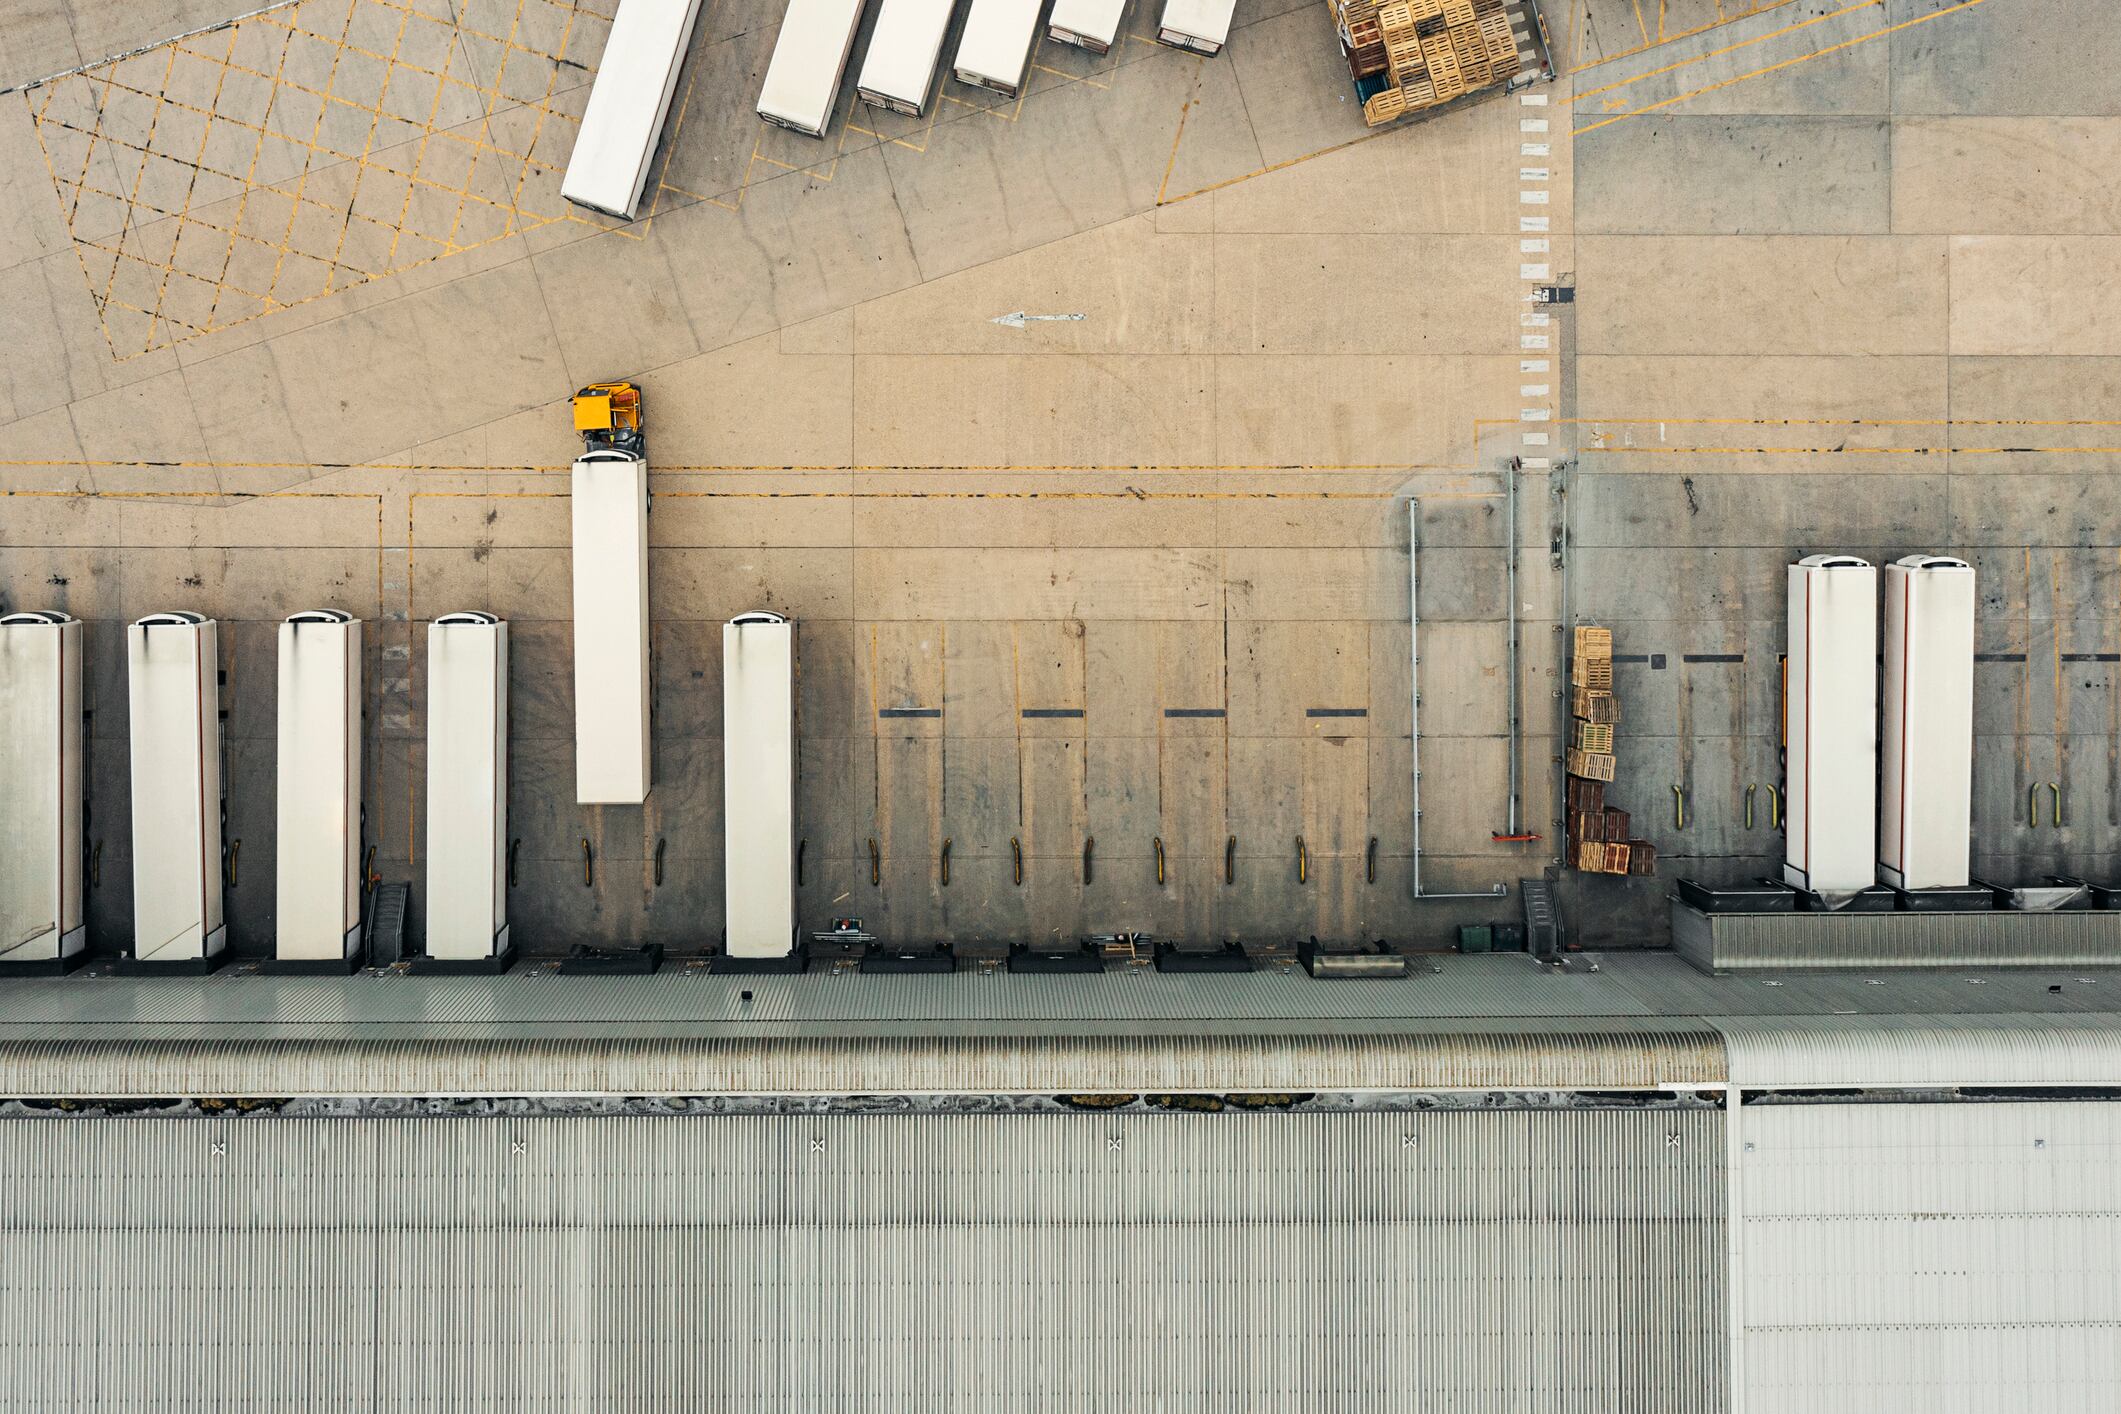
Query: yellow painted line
{"x": 1722, "y": 17}
{"x": 1850, "y": 421}
{"x": 1963, "y": 5}
{"x": 1185, "y": 109}
{"x": 1282, "y": 165}
{"x": 1582, "y": 94}
{"x": 1065, "y": 77}
{"x": 1851, "y": 451}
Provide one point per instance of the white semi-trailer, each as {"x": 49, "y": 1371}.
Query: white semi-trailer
{"x": 995, "y": 48}
{"x": 1832, "y": 707}
{"x": 317, "y": 865}
{"x": 904, "y": 49}
{"x": 1200, "y": 25}
{"x": 467, "y": 788}
{"x": 809, "y": 60}
{"x": 628, "y": 102}
{"x": 173, "y": 689}
{"x": 611, "y": 731}
{"x": 41, "y": 925}
{"x": 1926, "y": 755}
{"x": 1086, "y": 24}
{"x": 758, "y": 776}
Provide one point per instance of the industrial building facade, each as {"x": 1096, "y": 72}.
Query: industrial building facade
{"x": 1820, "y": 1194}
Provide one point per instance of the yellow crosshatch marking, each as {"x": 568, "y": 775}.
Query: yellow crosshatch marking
{"x": 310, "y": 148}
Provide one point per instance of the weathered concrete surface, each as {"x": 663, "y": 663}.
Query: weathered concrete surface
{"x": 1076, "y": 540}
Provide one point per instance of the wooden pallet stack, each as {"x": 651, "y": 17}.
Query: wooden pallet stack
{"x": 1432, "y": 51}
{"x": 1601, "y": 838}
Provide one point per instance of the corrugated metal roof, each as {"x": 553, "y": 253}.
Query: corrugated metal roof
{"x": 1447, "y": 1059}
{"x": 1445, "y": 987}
{"x": 1930, "y": 1257}
{"x": 1680, "y": 990}
{"x": 1494, "y": 986}
{"x": 1754, "y": 941}
{"x": 1471, "y": 1262}
{"x": 1472, "y": 1021}
{"x": 1839, "y": 1051}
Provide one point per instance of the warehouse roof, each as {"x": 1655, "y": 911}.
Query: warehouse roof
{"x": 1617, "y": 1020}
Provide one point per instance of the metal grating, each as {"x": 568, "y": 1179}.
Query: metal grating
{"x": 1362, "y": 1261}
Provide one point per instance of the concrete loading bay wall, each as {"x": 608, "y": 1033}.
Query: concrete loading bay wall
{"x": 1698, "y": 630}
{"x": 1141, "y": 686}
{"x": 1186, "y": 699}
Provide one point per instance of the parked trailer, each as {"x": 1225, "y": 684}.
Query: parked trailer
{"x": 467, "y": 788}
{"x": 40, "y": 791}
{"x": 627, "y": 105}
{"x": 809, "y": 60}
{"x": 995, "y": 48}
{"x": 758, "y": 775}
{"x": 1832, "y": 707}
{"x": 1087, "y": 24}
{"x": 1926, "y": 756}
{"x": 317, "y": 863}
{"x": 904, "y": 48}
{"x": 1200, "y": 25}
{"x": 610, "y": 505}
{"x": 173, "y": 690}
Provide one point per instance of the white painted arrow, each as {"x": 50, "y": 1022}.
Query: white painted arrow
{"x": 1019, "y": 319}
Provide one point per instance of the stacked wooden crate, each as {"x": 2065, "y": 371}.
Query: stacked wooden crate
{"x": 1362, "y": 35}
{"x": 1601, "y": 838}
{"x": 1432, "y": 51}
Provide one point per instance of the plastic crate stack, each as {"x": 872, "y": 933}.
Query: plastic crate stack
{"x": 1427, "y": 51}
{"x": 1600, "y": 836}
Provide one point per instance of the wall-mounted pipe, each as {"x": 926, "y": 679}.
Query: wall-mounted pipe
{"x": 1750, "y": 788}
{"x": 2032, "y": 806}
{"x": 876, "y": 864}
{"x": 1678, "y": 808}
{"x": 515, "y": 847}
{"x": 369, "y": 877}
{"x": 1159, "y": 861}
{"x": 1369, "y": 866}
{"x": 1230, "y": 860}
{"x": 802, "y": 847}
{"x": 95, "y": 865}
{"x": 1089, "y": 848}
{"x": 1016, "y": 856}
{"x": 2054, "y": 797}
{"x": 1509, "y": 476}
{"x": 1303, "y": 862}
{"x": 1774, "y": 808}
{"x": 659, "y": 843}
{"x": 235, "y": 848}
{"x": 946, "y": 862}
{"x": 589, "y": 876}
